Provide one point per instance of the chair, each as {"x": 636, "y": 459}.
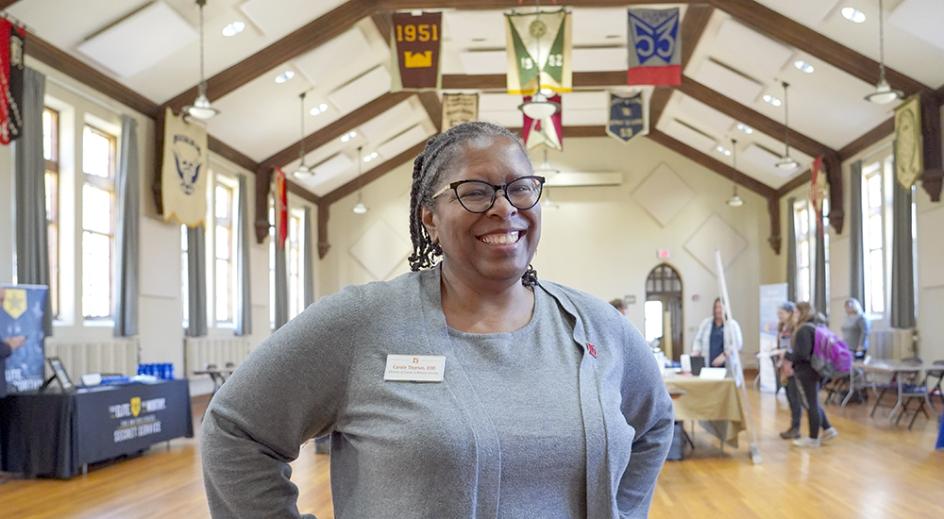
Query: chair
{"x": 911, "y": 392}
{"x": 892, "y": 384}
{"x": 936, "y": 372}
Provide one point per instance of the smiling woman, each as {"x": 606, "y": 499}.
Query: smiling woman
{"x": 499, "y": 394}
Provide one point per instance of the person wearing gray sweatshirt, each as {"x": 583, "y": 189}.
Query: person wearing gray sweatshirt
{"x": 464, "y": 389}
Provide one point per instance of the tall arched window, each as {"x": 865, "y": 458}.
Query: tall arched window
{"x": 663, "y": 309}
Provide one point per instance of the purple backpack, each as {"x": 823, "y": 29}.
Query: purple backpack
{"x": 831, "y": 355}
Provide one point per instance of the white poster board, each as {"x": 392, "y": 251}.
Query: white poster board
{"x": 771, "y": 297}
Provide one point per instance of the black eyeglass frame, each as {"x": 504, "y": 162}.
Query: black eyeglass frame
{"x": 454, "y": 186}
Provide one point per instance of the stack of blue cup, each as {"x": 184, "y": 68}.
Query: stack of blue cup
{"x": 162, "y": 371}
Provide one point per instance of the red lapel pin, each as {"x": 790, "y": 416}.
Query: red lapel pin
{"x": 592, "y": 349}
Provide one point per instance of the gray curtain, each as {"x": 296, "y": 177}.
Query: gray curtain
{"x": 819, "y": 270}
{"x": 243, "y": 291}
{"x": 196, "y": 281}
{"x": 903, "y": 293}
{"x": 127, "y": 237}
{"x": 308, "y": 260}
{"x": 281, "y": 283}
{"x": 856, "y": 251}
{"x": 32, "y": 246}
{"x": 791, "y": 252}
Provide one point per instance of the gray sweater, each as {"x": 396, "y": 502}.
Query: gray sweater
{"x": 419, "y": 450}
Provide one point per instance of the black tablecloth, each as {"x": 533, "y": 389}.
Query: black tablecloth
{"x": 54, "y": 434}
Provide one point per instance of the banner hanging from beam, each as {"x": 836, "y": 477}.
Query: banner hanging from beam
{"x": 539, "y": 46}
{"x": 185, "y": 169}
{"x": 655, "y": 47}
{"x": 627, "y": 117}
{"x": 547, "y": 131}
{"x": 458, "y": 109}
{"x": 909, "y": 143}
{"x": 417, "y": 40}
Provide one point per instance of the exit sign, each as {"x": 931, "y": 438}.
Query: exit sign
{"x": 663, "y": 254}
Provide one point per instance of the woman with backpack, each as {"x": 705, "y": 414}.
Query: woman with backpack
{"x": 808, "y": 380}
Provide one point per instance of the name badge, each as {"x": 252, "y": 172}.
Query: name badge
{"x": 415, "y": 368}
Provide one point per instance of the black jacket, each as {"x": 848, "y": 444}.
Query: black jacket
{"x": 5, "y": 351}
{"x": 802, "y": 357}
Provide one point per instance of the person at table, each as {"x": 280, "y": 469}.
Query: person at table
{"x": 514, "y": 369}
{"x": 718, "y": 338}
{"x": 808, "y": 380}
{"x": 856, "y": 328}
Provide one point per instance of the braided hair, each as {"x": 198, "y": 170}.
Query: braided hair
{"x": 428, "y": 169}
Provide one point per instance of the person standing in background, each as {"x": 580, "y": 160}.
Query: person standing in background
{"x": 711, "y": 338}
{"x": 808, "y": 380}
{"x": 784, "y": 367}
{"x": 620, "y": 306}
{"x": 855, "y": 331}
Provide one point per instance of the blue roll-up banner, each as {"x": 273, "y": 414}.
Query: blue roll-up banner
{"x": 21, "y": 316}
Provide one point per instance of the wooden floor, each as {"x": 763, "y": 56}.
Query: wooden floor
{"x": 873, "y": 470}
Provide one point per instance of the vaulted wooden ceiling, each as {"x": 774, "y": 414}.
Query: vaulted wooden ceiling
{"x": 339, "y": 55}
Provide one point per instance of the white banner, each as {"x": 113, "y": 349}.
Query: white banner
{"x": 184, "y": 172}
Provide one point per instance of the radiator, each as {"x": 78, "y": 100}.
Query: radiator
{"x": 119, "y": 356}
{"x": 891, "y": 344}
{"x": 200, "y": 351}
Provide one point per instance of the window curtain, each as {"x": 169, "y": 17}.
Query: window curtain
{"x": 902, "y": 293}
{"x": 856, "y": 248}
{"x": 281, "y": 284}
{"x": 791, "y": 251}
{"x": 243, "y": 291}
{"x": 819, "y": 270}
{"x": 127, "y": 236}
{"x": 309, "y": 263}
{"x": 32, "y": 246}
{"x": 196, "y": 281}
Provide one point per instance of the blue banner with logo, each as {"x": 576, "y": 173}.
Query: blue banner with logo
{"x": 627, "y": 117}
{"x": 21, "y": 328}
{"x": 655, "y": 47}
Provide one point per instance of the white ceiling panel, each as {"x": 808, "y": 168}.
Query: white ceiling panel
{"x": 402, "y": 142}
{"x": 733, "y": 83}
{"x": 600, "y": 26}
{"x": 393, "y": 121}
{"x": 341, "y": 59}
{"x": 688, "y": 133}
{"x": 362, "y": 90}
{"x": 272, "y": 109}
{"x": 474, "y": 29}
{"x": 922, "y": 18}
{"x": 139, "y": 41}
{"x": 584, "y": 118}
{"x": 333, "y": 166}
{"x": 489, "y": 102}
{"x": 585, "y": 100}
{"x": 704, "y": 115}
{"x": 483, "y": 61}
{"x": 284, "y": 16}
{"x": 506, "y": 118}
{"x": 764, "y": 159}
{"x": 749, "y": 51}
{"x": 593, "y": 59}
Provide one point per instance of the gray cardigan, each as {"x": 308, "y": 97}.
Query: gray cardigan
{"x": 419, "y": 450}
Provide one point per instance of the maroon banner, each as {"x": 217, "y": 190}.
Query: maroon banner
{"x": 416, "y": 39}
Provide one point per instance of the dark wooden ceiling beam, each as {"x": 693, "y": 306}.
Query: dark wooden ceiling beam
{"x": 794, "y": 34}
{"x": 298, "y": 42}
{"x": 337, "y": 128}
{"x": 6, "y": 3}
{"x": 433, "y": 106}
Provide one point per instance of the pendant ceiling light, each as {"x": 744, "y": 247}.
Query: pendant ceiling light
{"x": 302, "y": 170}
{"x": 545, "y": 169}
{"x": 883, "y": 93}
{"x": 735, "y": 200}
{"x": 359, "y": 207}
{"x": 786, "y": 163}
{"x": 539, "y": 106}
{"x": 201, "y": 108}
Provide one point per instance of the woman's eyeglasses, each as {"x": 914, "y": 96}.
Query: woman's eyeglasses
{"x": 477, "y": 196}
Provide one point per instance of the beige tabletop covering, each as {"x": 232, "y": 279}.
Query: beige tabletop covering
{"x": 715, "y": 403}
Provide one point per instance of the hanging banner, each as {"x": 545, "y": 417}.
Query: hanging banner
{"x": 22, "y": 309}
{"x": 627, "y": 117}
{"x": 12, "y": 41}
{"x": 655, "y": 47}
{"x": 909, "y": 143}
{"x": 818, "y": 188}
{"x": 458, "y": 109}
{"x": 281, "y": 208}
{"x": 184, "y": 175}
{"x": 548, "y": 131}
{"x": 538, "y": 52}
{"x": 416, "y": 39}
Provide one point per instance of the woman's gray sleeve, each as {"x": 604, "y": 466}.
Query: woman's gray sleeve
{"x": 648, "y": 408}
{"x": 290, "y": 389}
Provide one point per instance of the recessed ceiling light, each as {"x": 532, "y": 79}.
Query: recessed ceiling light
{"x": 233, "y": 28}
{"x": 371, "y": 156}
{"x": 722, "y": 150}
{"x": 317, "y": 110}
{"x": 348, "y": 136}
{"x": 852, "y": 14}
{"x": 773, "y": 100}
{"x": 284, "y": 76}
{"x": 803, "y": 66}
{"x": 743, "y": 128}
